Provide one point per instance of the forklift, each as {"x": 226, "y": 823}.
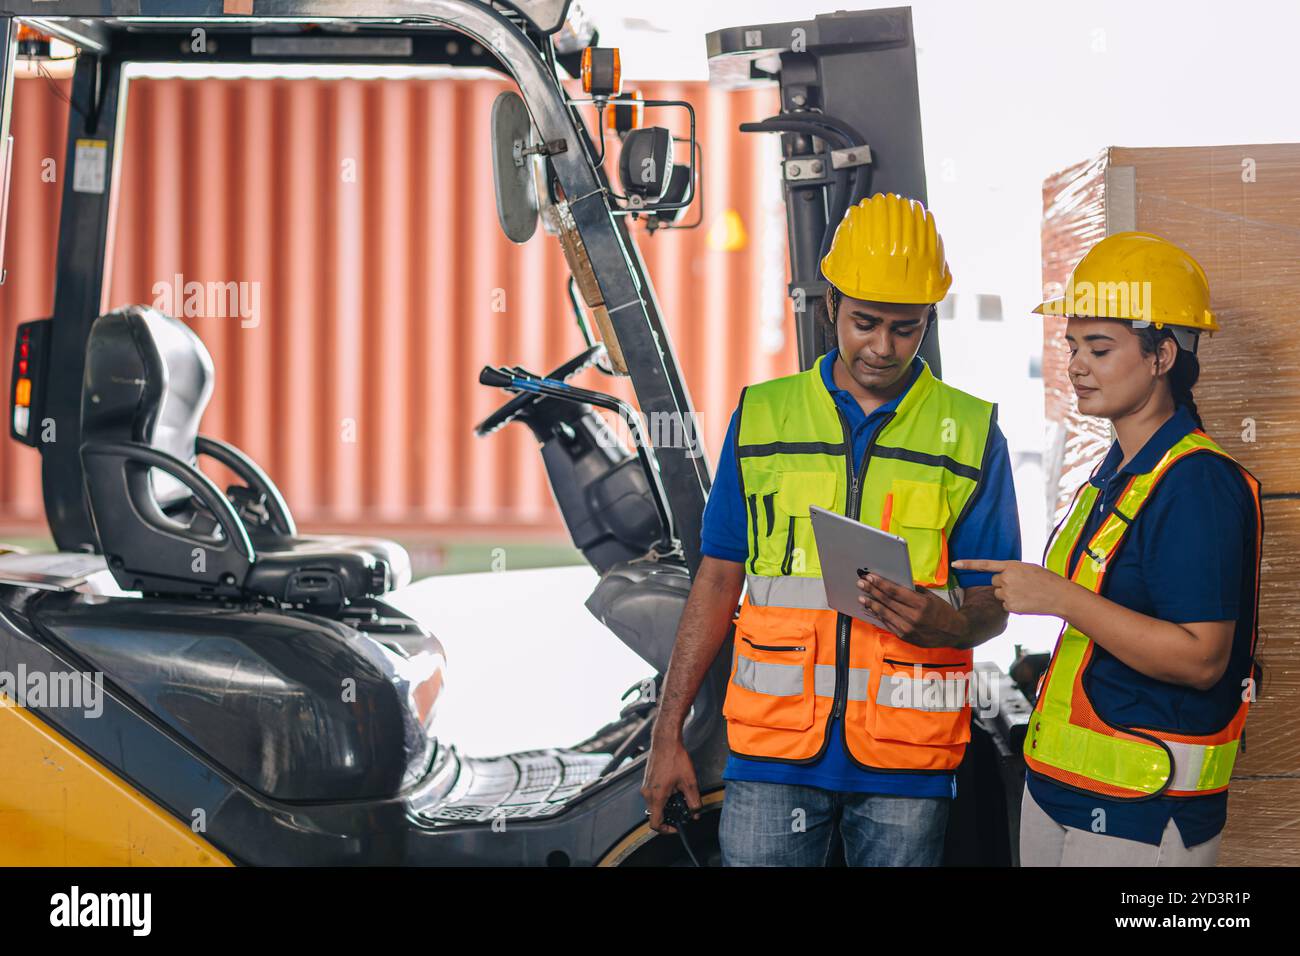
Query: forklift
{"x": 192, "y": 681}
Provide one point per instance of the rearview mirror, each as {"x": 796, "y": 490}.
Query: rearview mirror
{"x": 512, "y": 167}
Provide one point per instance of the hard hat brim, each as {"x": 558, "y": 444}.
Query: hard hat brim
{"x": 866, "y": 295}
{"x": 1056, "y": 308}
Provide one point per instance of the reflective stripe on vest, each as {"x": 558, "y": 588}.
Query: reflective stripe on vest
{"x": 786, "y": 680}
{"x": 810, "y": 593}
{"x": 1068, "y": 740}
{"x": 934, "y": 692}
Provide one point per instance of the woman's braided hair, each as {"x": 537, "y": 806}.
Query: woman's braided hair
{"x": 1182, "y": 374}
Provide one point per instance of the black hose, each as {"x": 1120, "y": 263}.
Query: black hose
{"x": 851, "y": 139}
{"x": 841, "y": 136}
{"x": 839, "y": 199}
{"x": 862, "y": 173}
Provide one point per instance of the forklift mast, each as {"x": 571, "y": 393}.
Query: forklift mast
{"x": 850, "y": 77}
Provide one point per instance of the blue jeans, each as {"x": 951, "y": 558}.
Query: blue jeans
{"x": 781, "y": 824}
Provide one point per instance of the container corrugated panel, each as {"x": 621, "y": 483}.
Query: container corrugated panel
{"x": 335, "y": 244}
{"x": 39, "y": 129}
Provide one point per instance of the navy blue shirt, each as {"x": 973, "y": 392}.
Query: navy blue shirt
{"x": 990, "y": 529}
{"x": 1189, "y": 556}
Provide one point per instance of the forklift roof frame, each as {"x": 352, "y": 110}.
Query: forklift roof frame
{"x": 110, "y": 38}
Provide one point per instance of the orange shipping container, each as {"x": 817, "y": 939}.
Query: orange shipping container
{"x": 356, "y": 221}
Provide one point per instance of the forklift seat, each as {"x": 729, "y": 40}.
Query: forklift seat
{"x": 163, "y": 525}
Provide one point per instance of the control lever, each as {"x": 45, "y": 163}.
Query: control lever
{"x": 250, "y": 505}
{"x": 495, "y": 378}
{"x": 517, "y": 405}
{"x": 527, "y": 382}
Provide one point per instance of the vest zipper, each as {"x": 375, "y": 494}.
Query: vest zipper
{"x": 787, "y": 562}
{"x": 753, "y": 524}
{"x": 843, "y": 621}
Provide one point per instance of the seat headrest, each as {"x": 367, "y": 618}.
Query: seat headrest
{"x": 148, "y": 379}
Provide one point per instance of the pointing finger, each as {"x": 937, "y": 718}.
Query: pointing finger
{"x": 980, "y": 564}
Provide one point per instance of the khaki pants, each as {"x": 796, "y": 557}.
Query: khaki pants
{"x": 1044, "y": 842}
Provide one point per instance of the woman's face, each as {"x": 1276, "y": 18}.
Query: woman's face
{"x": 1110, "y": 374}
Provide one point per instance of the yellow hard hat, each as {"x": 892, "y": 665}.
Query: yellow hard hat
{"x": 1137, "y": 277}
{"x": 887, "y": 249}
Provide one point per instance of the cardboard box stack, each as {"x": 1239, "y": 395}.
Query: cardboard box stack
{"x": 1237, "y": 210}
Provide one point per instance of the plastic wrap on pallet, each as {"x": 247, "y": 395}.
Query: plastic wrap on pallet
{"x": 1074, "y": 219}
{"x": 1237, "y": 210}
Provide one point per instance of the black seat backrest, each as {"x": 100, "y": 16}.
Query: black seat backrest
{"x": 163, "y": 525}
{"x": 148, "y": 380}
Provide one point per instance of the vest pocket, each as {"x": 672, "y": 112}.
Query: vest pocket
{"x": 923, "y": 699}
{"x": 918, "y": 510}
{"x": 772, "y": 676}
{"x": 799, "y": 491}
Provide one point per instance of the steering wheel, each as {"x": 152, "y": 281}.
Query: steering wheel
{"x": 513, "y": 408}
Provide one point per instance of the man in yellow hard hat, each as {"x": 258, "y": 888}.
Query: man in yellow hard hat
{"x": 834, "y": 723}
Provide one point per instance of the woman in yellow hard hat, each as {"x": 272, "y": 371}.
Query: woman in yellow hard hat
{"x": 1155, "y": 571}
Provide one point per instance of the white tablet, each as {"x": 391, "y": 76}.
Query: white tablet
{"x": 845, "y": 547}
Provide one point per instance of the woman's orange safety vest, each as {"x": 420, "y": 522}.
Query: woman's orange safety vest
{"x": 1068, "y": 740}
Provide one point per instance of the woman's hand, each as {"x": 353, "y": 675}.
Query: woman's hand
{"x": 1024, "y": 588}
{"x": 1192, "y": 655}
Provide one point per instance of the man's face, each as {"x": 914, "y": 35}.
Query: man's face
{"x": 878, "y": 340}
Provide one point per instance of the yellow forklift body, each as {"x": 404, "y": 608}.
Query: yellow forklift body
{"x": 60, "y": 807}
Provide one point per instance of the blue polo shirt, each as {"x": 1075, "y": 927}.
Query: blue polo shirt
{"x": 990, "y": 529}
{"x": 1189, "y": 556}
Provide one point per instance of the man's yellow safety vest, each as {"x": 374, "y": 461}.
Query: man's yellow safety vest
{"x": 1068, "y": 740}
{"x": 796, "y": 662}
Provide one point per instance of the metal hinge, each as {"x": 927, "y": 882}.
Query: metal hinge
{"x": 519, "y": 150}
{"x": 807, "y": 169}
{"x": 850, "y": 156}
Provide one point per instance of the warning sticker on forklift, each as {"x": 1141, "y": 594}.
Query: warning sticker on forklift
{"x": 90, "y": 166}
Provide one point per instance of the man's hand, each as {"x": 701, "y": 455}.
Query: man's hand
{"x": 916, "y": 616}
{"x": 668, "y": 770}
{"x": 1024, "y": 588}
{"x": 701, "y": 633}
